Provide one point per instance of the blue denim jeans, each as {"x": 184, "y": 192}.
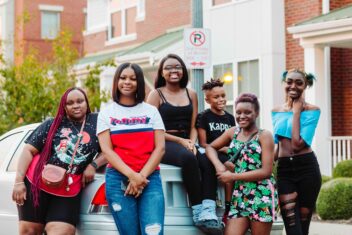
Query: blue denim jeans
{"x": 134, "y": 216}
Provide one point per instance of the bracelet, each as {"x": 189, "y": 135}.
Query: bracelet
{"x": 94, "y": 164}
{"x": 22, "y": 182}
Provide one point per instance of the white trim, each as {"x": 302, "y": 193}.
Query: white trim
{"x": 233, "y": 2}
{"x": 97, "y": 29}
{"x": 140, "y": 16}
{"x": 121, "y": 39}
{"x": 3, "y": 2}
{"x": 51, "y": 8}
{"x": 309, "y": 28}
{"x": 84, "y": 10}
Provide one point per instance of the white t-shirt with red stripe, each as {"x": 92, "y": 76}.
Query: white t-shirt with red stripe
{"x": 131, "y": 131}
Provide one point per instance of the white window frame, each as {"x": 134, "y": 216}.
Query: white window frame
{"x": 226, "y": 4}
{"x": 140, "y": 10}
{"x": 230, "y": 101}
{"x": 124, "y": 37}
{"x": 58, "y": 14}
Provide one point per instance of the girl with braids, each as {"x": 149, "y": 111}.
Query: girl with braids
{"x": 251, "y": 150}
{"x": 298, "y": 173}
{"x": 56, "y": 210}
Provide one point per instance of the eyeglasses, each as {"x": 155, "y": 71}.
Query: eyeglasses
{"x": 170, "y": 68}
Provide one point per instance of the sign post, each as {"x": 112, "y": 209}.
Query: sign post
{"x": 197, "y": 48}
{"x": 197, "y": 74}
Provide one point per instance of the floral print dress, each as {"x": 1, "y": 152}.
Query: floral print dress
{"x": 256, "y": 200}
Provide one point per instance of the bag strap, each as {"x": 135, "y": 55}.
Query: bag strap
{"x": 242, "y": 146}
{"x": 80, "y": 135}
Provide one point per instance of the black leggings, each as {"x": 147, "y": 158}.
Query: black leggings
{"x": 177, "y": 155}
{"x": 299, "y": 181}
{"x": 209, "y": 179}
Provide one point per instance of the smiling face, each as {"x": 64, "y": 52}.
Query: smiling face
{"x": 172, "y": 71}
{"x": 245, "y": 115}
{"x": 76, "y": 105}
{"x": 295, "y": 84}
{"x": 216, "y": 98}
{"x": 127, "y": 83}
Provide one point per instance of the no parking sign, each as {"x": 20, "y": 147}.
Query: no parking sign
{"x": 197, "y": 48}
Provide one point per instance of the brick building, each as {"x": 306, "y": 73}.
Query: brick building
{"x": 253, "y": 41}
{"x": 33, "y": 24}
{"x": 314, "y": 35}
{"x": 136, "y": 31}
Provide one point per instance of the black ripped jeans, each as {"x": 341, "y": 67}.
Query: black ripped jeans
{"x": 299, "y": 182}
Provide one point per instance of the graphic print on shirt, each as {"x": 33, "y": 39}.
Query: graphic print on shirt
{"x": 130, "y": 121}
{"x": 64, "y": 150}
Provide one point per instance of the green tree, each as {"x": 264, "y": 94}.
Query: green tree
{"x": 31, "y": 91}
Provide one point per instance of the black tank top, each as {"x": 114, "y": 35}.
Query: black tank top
{"x": 176, "y": 117}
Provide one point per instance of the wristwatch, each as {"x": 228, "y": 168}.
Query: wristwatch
{"x": 94, "y": 164}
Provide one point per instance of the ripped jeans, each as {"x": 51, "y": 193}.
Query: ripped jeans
{"x": 133, "y": 216}
{"x": 299, "y": 181}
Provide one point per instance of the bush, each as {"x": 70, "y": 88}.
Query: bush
{"x": 325, "y": 178}
{"x": 334, "y": 200}
{"x": 343, "y": 169}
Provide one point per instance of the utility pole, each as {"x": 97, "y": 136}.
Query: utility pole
{"x": 198, "y": 74}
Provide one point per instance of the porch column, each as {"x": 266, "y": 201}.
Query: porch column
{"x": 319, "y": 95}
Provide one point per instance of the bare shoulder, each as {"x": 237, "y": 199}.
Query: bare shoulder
{"x": 278, "y": 109}
{"x": 266, "y": 136}
{"x": 192, "y": 93}
{"x": 311, "y": 107}
{"x": 153, "y": 98}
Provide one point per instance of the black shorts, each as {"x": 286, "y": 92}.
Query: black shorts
{"x": 51, "y": 208}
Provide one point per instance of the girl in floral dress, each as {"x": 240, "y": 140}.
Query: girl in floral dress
{"x": 251, "y": 152}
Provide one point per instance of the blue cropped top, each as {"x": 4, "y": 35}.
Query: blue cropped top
{"x": 282, "y": 124}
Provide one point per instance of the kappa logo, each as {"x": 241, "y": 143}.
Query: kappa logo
{"x": 218, "y": 126}
{"x": 129, "y": 121}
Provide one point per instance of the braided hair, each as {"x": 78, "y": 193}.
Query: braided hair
{"x": 46, "y": 152}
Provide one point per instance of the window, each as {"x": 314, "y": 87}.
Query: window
{"x": 6, "y": 144}
{"x": 14, "y": 161}
{"x": 50, "y": 24}
{"x": 248, "y": 77}
{"x": 140, "y": 9}
{"x": 219, "y": 2}
{"x": 225, "y": 73}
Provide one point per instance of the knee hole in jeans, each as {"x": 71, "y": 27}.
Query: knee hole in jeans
{"x": 305, "y": 213}
{"x": 153, "y": 229}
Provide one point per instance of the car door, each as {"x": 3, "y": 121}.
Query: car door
{"x": 11, "y": 145}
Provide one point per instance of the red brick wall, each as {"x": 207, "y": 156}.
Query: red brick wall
{"x": 71, "y": 18}
{"x": 341, "y": 91}
{"x": 341, "y": 84}
{"x": 335, "y": 4}
{"x": 159, "y": 17}
{"x": 297, "y": 11}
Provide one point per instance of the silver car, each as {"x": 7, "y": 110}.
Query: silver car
{"x": 95, "y": 214}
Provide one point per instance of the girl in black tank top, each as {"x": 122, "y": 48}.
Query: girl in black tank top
{"x": 176, "y": 117}
{"x": 178, "y": 107}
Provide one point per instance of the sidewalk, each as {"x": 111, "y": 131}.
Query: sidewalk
{"x": 318, "y": 228}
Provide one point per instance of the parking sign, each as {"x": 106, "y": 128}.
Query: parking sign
{"x": 197, "y": 48}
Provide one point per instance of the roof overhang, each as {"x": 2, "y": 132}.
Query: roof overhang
{"x": 335, "y": 33}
